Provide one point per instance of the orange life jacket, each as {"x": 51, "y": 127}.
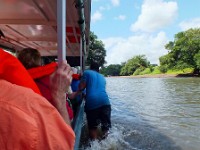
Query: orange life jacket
{"x": 13, "y": 71}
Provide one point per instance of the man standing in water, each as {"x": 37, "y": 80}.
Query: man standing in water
{"x": 97, "y": 106}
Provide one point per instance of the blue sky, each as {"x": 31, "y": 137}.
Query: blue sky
{"x": 137, "y": 27}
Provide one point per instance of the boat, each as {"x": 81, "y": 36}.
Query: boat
{"x": 56, "y": 28}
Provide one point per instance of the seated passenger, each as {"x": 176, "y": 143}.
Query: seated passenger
{"x": 28, "y": 120}
{"x": 31, "y": 59}
{"x": 76, "y": 101}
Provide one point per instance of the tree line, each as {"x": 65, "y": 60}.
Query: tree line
{"x": 183, "y": 53}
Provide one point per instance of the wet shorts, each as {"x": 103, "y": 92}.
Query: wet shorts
{"x": 99, "y": 116}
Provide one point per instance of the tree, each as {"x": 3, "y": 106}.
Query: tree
{"x": 97, "y": 52}
{"x": 197, "y": 61}
{"x": 113, "y": 69}
{"x": 139, "y": 61}
{"x": 167, "y": 61}
{"x": 103, "y": 70}
{"x": 183, "y": 51}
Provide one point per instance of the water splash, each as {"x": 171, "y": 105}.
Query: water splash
{"x": 114, "y": 141}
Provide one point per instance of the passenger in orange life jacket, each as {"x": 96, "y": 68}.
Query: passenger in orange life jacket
{"x": 28, "y": 120}
{"x": 31, "y": 59}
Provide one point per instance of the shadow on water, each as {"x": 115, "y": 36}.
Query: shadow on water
{"x": 126, "y": 135}
{"x": 188, "y": 75}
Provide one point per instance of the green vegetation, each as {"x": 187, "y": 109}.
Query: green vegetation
{"x": 135, "y": 65}
{"x": 111, "y": 70}
{"x": 183, "y": 71}
{"x": 184, "y": 52}
{"x": 146, "y": 71}
{"x": 183, "y": 58}
{"x": 97, "y": 52}
{"x": 156, "y": 70}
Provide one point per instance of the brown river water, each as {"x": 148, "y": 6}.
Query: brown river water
{"x": 153, "y": 114}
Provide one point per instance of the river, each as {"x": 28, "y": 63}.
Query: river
{"x": 153, "y": 114}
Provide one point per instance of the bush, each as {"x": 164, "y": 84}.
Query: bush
{"x": 182, "y": 71}
{"x": 138, "y": 71}
{"x": 156, "y": 70}
{"x": 188, "y": 70}
{"x": 163, "y": 68}
{"x": 145, "y": 71}
{"x": 180, "y": 65}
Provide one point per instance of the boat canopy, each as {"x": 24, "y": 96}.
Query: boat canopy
{"x": 33, "y": 23}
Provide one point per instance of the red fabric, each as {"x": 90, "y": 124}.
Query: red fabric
{"x": 76, "y": 76}
{"x": 41, "y": 76}
{"x": 70, "y": 111}
{"x": 42, "y": 71}
{"x": 43, "y": 85}
{"x": 13, "y": 71}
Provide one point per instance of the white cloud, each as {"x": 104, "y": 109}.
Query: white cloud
{"x": 121, "y": 49}
{"x": 106, "y": 7}
{"x": 120, "y": 17}
{"x": 101, "y": 8}
{"x": 193, "y": 23}
{"x": 96, "y": 16}
{"x": 115, "y": 2}
{"x": 155, "y": 14}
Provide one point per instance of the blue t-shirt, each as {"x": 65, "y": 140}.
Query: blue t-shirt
{"x": 96, "y": 95}
{"x": 74, "y": 85}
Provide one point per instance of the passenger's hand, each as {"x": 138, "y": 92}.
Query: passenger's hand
{"x": 60, "y": 81}
{"x": 73, "y": 95}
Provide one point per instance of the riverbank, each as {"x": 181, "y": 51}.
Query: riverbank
{"x": 160, "y": 76}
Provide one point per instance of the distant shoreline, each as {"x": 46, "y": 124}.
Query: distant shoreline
{"x": 159, "y": 76}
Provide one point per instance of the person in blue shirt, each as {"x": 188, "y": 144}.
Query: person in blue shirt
{"x": 97, "y": 105}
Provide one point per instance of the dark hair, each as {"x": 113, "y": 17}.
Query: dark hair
{"x": 29, "y": 57}
{"x": 94, "y": 66}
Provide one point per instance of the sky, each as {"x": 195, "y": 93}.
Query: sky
{"x": 141, "y": 27}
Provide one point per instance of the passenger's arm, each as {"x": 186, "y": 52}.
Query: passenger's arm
{"x": 60, "y": 80}
{"x": 81, "y": 86}
{"x": 70, "y": 94}
{"x": 73, "y": 95}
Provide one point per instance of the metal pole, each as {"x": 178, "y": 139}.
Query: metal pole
{"x": 61, "y": 29}
{"x": 81, "y": 56}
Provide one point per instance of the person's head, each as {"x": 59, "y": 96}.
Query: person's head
{"x": 94, "y": 66}
{"x": 29, "y": 57}
{"x": 75, "y": 70}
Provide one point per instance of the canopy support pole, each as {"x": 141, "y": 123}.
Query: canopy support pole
{"x": 81, "y": 56}
{"x": 81, "y": 22}
{"x": 61, "y": 29}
